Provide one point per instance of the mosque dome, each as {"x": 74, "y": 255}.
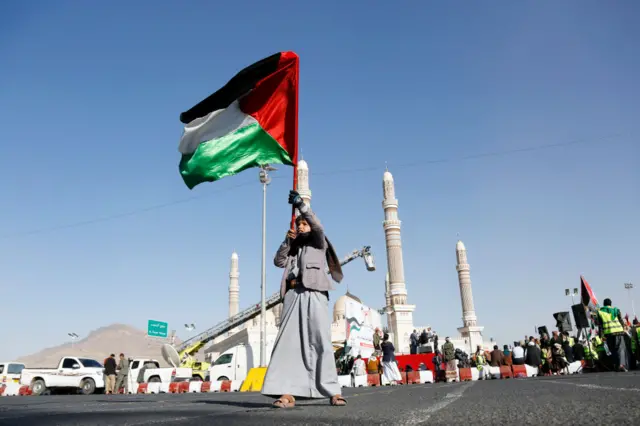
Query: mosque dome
{"x": 340, "y": 307}
{"x": 387, "y": 176}
{"x": 302, "y": 165}
{"x": 460, "y": 246}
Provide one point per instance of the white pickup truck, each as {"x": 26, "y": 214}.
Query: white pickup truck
{"x": 167, "y": 375}
{"x": 84, "y": 374}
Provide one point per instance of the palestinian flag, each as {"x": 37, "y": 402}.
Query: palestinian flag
{"x": 587, "y": 295}
{"x": 250, "y": 122}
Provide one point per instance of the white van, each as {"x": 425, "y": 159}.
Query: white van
{"x": 235, "y": 363}
{"x": 10, "y": 372}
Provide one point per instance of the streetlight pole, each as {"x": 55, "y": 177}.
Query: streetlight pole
{"x": 629, "y": 287}
{"x": 264, "y": 180}
{"x": 190, "y": 328}
{"x": 73, "y": 336}
{"x": 568, "y": 292}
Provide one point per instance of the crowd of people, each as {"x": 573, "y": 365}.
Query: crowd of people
{"x": 615, "y": 347}
{"x": 382, "y": 361}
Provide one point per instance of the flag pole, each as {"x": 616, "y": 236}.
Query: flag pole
{"x": 295, "y": 186}
{"x": 295, "y": 152}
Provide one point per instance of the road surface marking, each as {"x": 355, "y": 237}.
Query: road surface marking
{"x": 166, "y": 420}
{"x": 598, "y": 387}
{"x": 421, "y": 416}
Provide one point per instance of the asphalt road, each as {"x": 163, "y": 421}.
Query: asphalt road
{"x": 608, "y": 398}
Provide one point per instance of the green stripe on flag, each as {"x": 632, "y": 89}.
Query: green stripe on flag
{"x": 247, "y": 147}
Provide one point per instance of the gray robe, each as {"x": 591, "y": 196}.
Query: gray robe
{"x": 302, "y": 362}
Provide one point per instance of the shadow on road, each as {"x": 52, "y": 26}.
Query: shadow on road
{"x": 241, "y": 404}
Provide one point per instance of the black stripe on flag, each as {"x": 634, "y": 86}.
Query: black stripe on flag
{"x": 240, "y": 84}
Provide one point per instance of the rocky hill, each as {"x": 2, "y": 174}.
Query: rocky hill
{"x": 114, "y": 338}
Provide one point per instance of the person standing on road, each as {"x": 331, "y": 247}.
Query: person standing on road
{"x": 507, "y": 358}
{"x": 110, "y": 371}
{"x": 437, "y": 366}
{"x": 533, "y": 358}
{"x": 373, "y": 365}
{"x": 123, "y": 374}
{"x": 302, "y": 362}
{"x": 635, "y": 341}
{"x": 612, "y": 328}
{"x": 518, "y": 354}
{"x": 389, "y": 365}
{"x": 377, "y": 339}
{"x": 449, "y": 352}
{"x": 359, "y": 367}
{"x": 497, "y": 357}
{"x": 413, "y": 348}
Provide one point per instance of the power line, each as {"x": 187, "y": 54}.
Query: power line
{"x": 475, "y": 156}
{"x": 334, "y": 172}
{"x": 121, "y": 215}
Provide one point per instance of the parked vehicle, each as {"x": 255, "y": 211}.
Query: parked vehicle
{"x": 235, "y": 363}
{"x": 10, "y": 372}
{"x": 167, "y": 375}
{"x": 137, "y": 369}
{"x": 83, "y": 374}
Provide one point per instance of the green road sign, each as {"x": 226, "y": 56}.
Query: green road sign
{"x": 157, "y": 329}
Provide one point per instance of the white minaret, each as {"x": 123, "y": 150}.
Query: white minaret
{"x": 401, "y": 314}
{"x": 387, "y": 291}
{"x": 469, "y": 329}
{"x": 234, "y": 286}
{"x": 303, "y": 182}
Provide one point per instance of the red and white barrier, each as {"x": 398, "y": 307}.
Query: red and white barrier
{"x": 493, "y": 372}
{"x": 385, "y": 382}
{"x": 231, "y": 386}
{"x": 190, "y": 387}
{"x": 414, "y": 377}
{"x": 531, "y": 371}
{"x": 360, "y": 381}
{"x": 426, "y": 376}
{"x": 575, "y": 367}
{"x": 155, "y": 387}
{"x": 195, "y": 387}
{"x": 25, "y": 390}
{"x": 506, "y": 372}
{"x": 345, "y": 381}
{"x": 519, "y": 371}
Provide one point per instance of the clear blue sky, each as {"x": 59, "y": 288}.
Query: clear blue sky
{"x": 89, "y": 106}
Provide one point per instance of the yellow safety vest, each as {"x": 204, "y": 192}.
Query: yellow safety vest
{"x": 610, "y": 323}
{"x": 589, "y": 354}
{"x": 634, "y": 344}
{"x": 480, "y": 359}
{"x": 571, "y": 341}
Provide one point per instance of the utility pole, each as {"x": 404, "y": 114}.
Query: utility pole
{"x": 265, "y": 180}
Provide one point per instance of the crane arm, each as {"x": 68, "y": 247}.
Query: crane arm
{"x": 193, "y": 345}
